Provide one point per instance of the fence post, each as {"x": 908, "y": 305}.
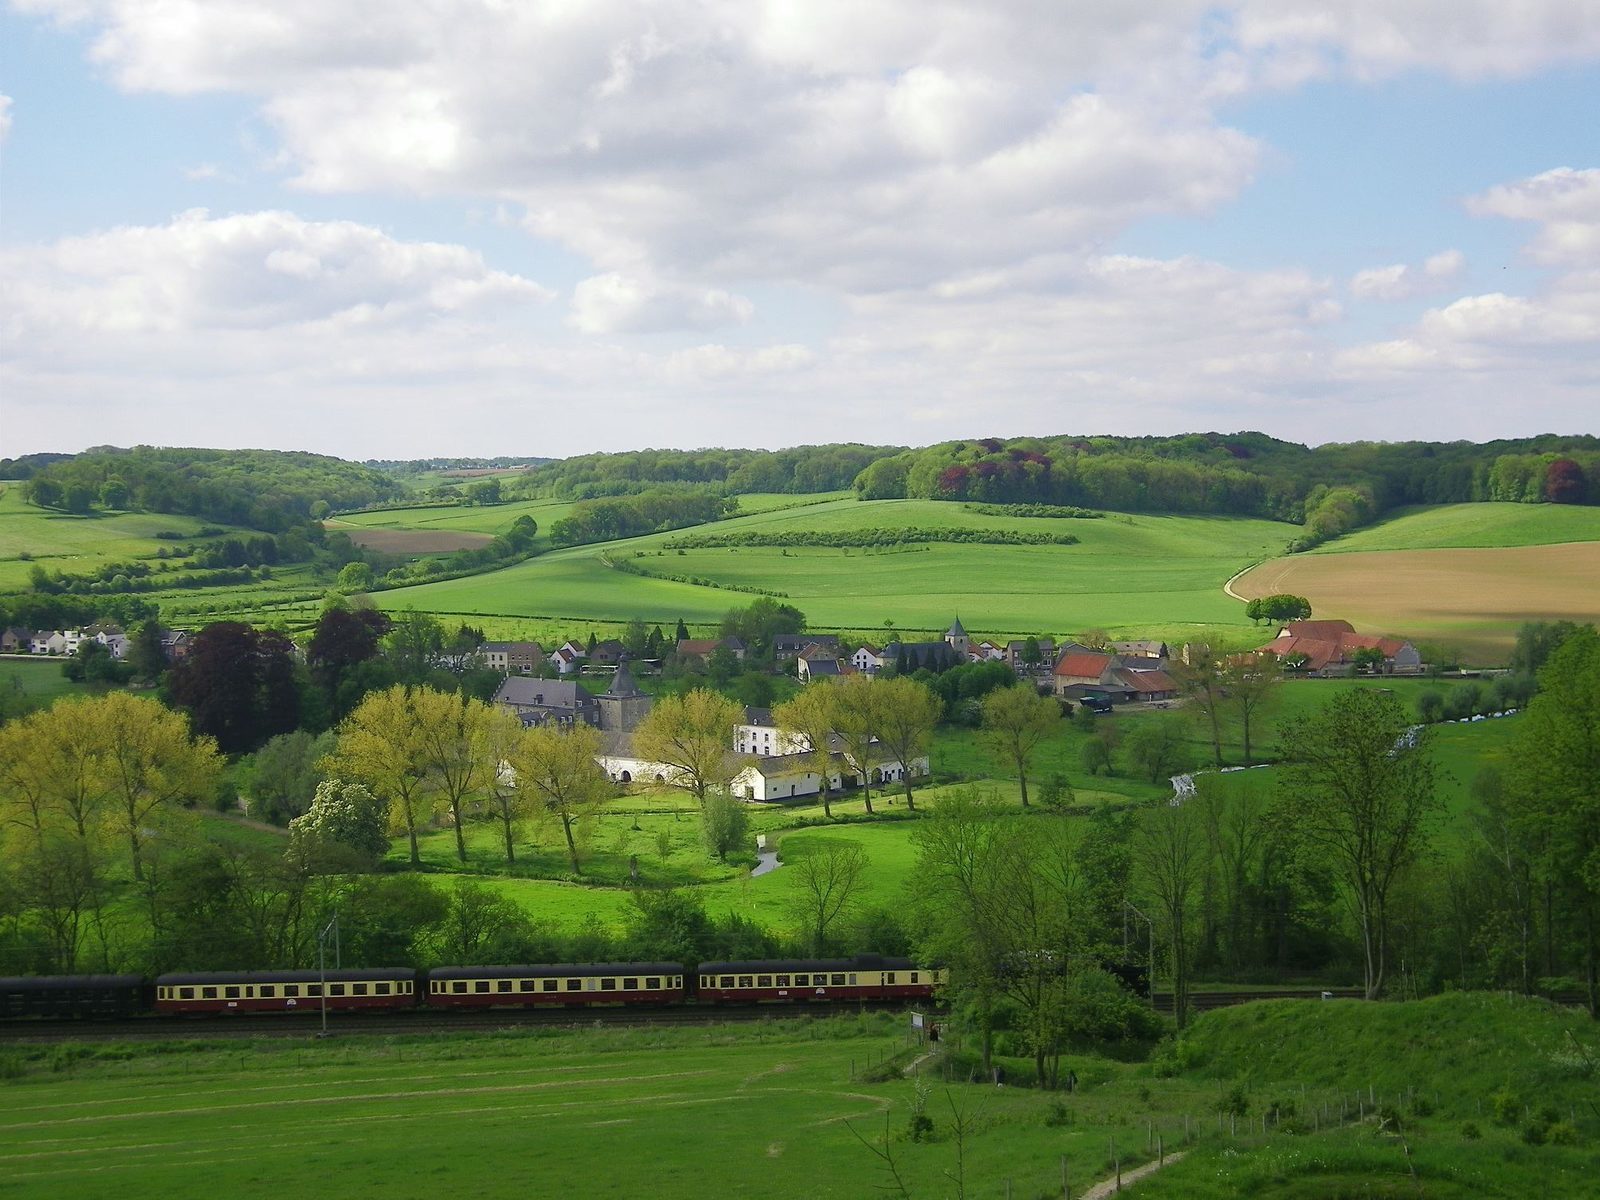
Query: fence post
{"x": 1066, "y": 1188}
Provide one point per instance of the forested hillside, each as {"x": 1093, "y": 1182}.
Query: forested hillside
{"x": 270, "y": 490}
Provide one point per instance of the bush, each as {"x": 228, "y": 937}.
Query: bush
{"x": 1506, "y": 1107}
{"x": 1562, "y": 1133}
{"x": 1236, "y": 1102}
{"x": 1470, "y": 1131}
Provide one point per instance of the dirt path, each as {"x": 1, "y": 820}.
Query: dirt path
{"x": 1108, "y": 1187}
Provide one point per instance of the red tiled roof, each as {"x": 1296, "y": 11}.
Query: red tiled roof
{"x": 1149, "y": 682}
{"x": 1090, "y": 666}
{"x": 1322, "y": 631}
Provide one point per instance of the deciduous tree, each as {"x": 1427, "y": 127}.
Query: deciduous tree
{"x": 809, "y": 718}
{"x": 381, "y": 745}
{"x": 1357, "y": 791}
{"x": 829, "y": 873}
{"x": 557, "y": 766}
{"x": 1016, "y": 721}
{"x": 907, "y": 714}
{"x": 693, "y": 735}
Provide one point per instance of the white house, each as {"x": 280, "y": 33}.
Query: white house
{"x": 784, "y": 777}
{"x": 868, "y": 660}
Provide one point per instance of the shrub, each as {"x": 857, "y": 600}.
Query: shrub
{"x": 1470, "y": 1131}
{"x": 1562, "y": 1133}
{"x": 1236, "y": 1102}
{"x": 1506, "y": 1106}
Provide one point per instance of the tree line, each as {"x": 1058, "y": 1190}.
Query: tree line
{"x": 862, "y": 537}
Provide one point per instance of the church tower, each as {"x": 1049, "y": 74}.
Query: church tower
{"x": 957, "y": 638}
{"x": 622, "y": 705}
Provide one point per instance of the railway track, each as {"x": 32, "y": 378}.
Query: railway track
{"x": 156, "y": 1028}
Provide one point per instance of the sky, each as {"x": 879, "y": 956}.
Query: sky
{"x": 512, "y": 227}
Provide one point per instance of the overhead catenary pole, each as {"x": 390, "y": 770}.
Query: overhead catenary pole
{"x": 322, "y": 965}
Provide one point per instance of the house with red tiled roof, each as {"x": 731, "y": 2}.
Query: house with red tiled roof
{"x": 1320, "y": 647}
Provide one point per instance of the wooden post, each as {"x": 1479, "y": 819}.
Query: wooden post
{"x": 1149, "y": 1133}
{"x": 1066, "y": 1188}
{"x": 1161, "y": 1152}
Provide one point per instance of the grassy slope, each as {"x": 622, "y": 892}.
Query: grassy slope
{"x": 1154, "y": 574}
{"x": 1458, "y": 1051}
{"x": 620, "y": 1112}
{"x": 76, "y": 544}
{"x": 1472, "y": 525}
{"x": 491, "y": 519}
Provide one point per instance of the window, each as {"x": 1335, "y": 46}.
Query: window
{"x": 574, "y": 985}
{"x": 913, "y": 977}
{"x": 481, "y": 986}
{"x": 208, "y": 993}
{"x": 745, "y": 981}
{"x": 313, "y": 989}
{"x": 764, "y": 981}
{"x": 336, "y": 989}
{"x": 267, "y": 991}
{"x": 838, "y": 981}
{"x": 291, "y": 989}
{"x": 550, "y": 985}
{"x": 782, "y": 981}
{"x": 526, "y": 985}
{"x": 231, "y": 993}
{"x": 852, "y": 979}
{"x": 608, "y": 985}
{"x": 727, "y": 981}
{"x": 652, "y": 983}
{"x": 185, "y": 993}
{"x": 503, "y": 985}
{"x": 358, "y": 989}
{"x": 459, "y": 987}
{"x": 380, "y": 989}
{"x": 630, "y": 985}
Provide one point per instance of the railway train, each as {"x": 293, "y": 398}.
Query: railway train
{"x": 866, "y": 977}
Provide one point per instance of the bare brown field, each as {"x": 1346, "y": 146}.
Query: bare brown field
{"x": 413, "y": 541}
{"x": 1471, "y": 599}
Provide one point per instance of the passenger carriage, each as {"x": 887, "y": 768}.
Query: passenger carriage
{"x": 55, "y": 996}
{"x": 794, "y": 981}
{"x": 286, "y": 991}
{"x": 556, "y": 984}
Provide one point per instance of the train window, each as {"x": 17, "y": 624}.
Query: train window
{"x": 267, "y": 991}
{"x": 208, "y": 993}
{"x": 608, "y": 985}
{"x": 358, "y": 989}
{"x": 677, "y": 981}
{"x": 913, "y": 977}
{"x": 745, "y": 981}
{"x": 459, "y": 987}
{"x": 801, "y": 980}
{"x": 550, "y": 985}
{"x": 727, "y": 981}
{"x": 230, "y": 993}
{"x": 574, "y": 985}
{"x": 291, "y": 989}
{"x": 405, "y": 989}
{"x": 336, "y": 989}
{"x": 763, "y": 980}
{"x": 185, "y": 993}
{"x": 782, "y": 981}
{"x": 525, "y": 985}
{"x": 380, "y": 989}
{"x": 652, "y": 983}
{"x": 503, "y": 985}
{"x": 838, "y": 980}
{"x": 852, "y": 979}
{"x": 313, "y": 989}
{"x": 630, "y": 985}
{"x": 481, "y": 986}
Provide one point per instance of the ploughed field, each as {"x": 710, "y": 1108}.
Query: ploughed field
{"x": 1472, "y": 597}
{"x": 1160, "y": 575}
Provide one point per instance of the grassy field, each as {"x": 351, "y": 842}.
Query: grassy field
{"x": 1472, "y": 526}
{"x": 75, "y": 544}
{"x": 1159, "y": 576}
{"x": 38, "y": 679}
{"x": 485, "y": 520}
{"x": 622, "y": 1112}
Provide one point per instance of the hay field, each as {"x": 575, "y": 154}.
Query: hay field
{"x": 1157, "y": 575}
{"x": 415, "y": 541}
{"x": 1470, "y": 598}
{"x": 488, "y": 519}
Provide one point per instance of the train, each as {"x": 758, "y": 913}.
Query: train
{"x": 865, "y": 978}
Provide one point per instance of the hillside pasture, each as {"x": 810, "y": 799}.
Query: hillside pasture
{"x": 1154, "y": 575}
{"x": 486, "y": 519}
{"x": 76, "y": 543}
{"x": 1473, "y": 599}
{"x": 415, "y": 541}
{"x": 1471, "y": 526}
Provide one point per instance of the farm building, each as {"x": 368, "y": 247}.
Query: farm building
{"x": 1321, "y": 647}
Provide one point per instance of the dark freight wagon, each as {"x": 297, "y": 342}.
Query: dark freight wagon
{"x": 57, "y": 996}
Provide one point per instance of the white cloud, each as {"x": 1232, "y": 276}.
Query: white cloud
{"x": 5, "y": 117}
{"x": 1401, "y": 282}
{"x": 1565, "y": 202}
{"x": 616, "y": 303}
{"x": 248, "y": 271}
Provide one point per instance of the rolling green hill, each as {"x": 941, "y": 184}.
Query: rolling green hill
{"x": 1472, "y": 526}
{"x": 1154, "y": 574}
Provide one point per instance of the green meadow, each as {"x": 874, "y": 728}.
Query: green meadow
{"x": 79, "y": 543}
{"x": 1282, "y": 1099}
{"x": 1472, "y": 526}
{"x": 467, "y": 518}
{"x": 1155, "y": 575}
